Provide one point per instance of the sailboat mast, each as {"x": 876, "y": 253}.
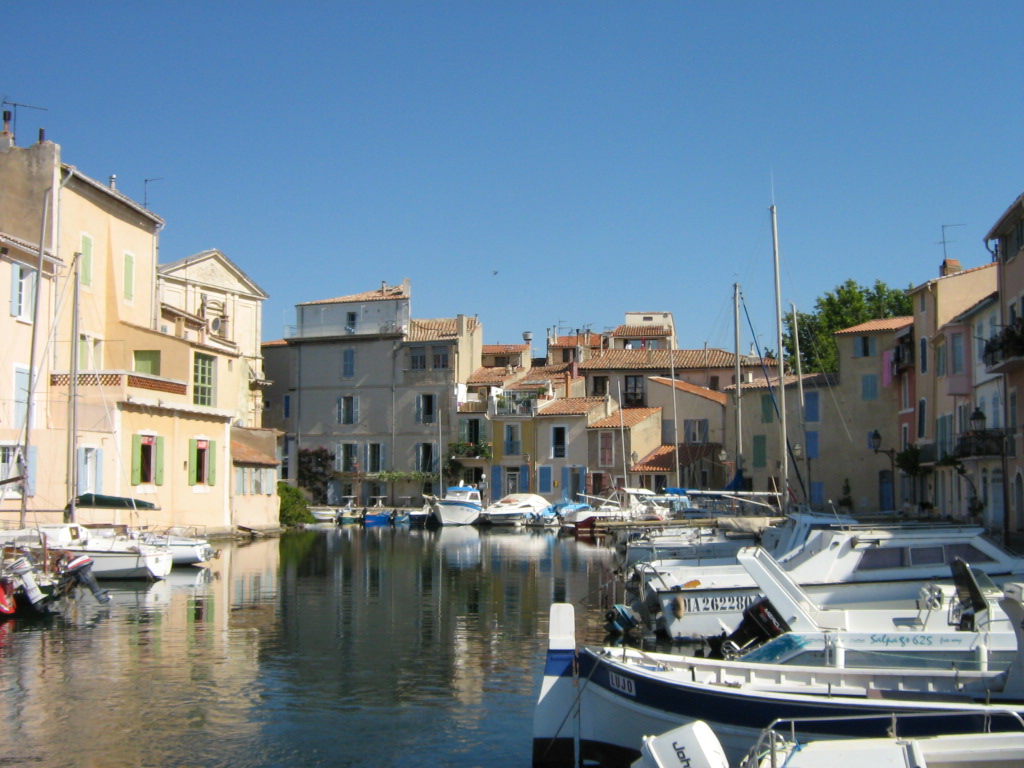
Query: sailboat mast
{"x": 73, "y": 398}
{"x": 783, "y": 457}
{"x": 737, "y": 394}
{"x": 800, "y": 399}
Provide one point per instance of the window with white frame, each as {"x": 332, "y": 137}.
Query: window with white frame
{"x": 348, "y": 409}
{"x": 9, "y": 468}
{"x": 203, "y": 381}
{"x": 956, "y": 350}
{"x": 23, "y": 292}
{"x": 426, "y": 409}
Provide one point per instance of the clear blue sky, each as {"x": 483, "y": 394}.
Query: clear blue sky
{"x": 542, "y": 163}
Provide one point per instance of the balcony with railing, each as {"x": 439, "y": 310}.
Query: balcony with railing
{"x": 903, "y": 355}
{"x": 513, "y": 447}
{"x": 982, "y": 443}
{"x": 515, "y": 404}
{"x": 1004, "y": 352}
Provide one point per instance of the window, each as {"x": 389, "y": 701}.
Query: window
{"x": 287, "y": 404}
{"x": 129, "y": 277}
{"x": 714, "y": 384}
{"x": 470, "y": 430}
{"x": 558, "y": 442}
{"x": 513, "y": 445}
{"x": 924, "y": 353}
{"x": 695, "y": 431}
{"x": 425, "y": 457}
{"x": 760, "y": 446}
{"x": 203, "y": 379}
{"x": 147, "y": 361}
{"x": 633, "y": 395}
{"x": 440, "y": 357}
{"x": 811, "y": 406}
{"x": 85, "y": 262}
{"x": 21, "y": 386}
{"x": 375, "y": 457}
{"x": 940, "y": 360}
{"x": 348, "y": 409}
{"x": 90, "y": 470}
{"x": 600, "y": 385}
{"x": 869, "y": 386}
{"x": 90, "y": 353}
{"x": 956, "y": 352}
{"x": 606, "y": 443}
{"x": 426, "y": 409}
{"x": 350, "y": 321}
{"x": 767, "y": 408}
{"x": 926, "y": 555}
{"x": 922, "y": 417}
{"x": 346, "y": 458}
{"x": 202, "y": 462}
{"x": 23, "y": 292}
{"x": 864, "y": 346}
{"x": 880, "y": 558}
{"x": 9, "y": 468}
{"x": 147, "y": 460}
{"x": 417, "y": 358}
{"x": 348, "y": 363}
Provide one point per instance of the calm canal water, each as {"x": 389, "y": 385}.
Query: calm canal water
{"x": 327, "y": 647}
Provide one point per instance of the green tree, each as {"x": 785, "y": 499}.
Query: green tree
{"x": 316, "y": 468}
{"x": 847, "y": 305}
{"x": 294, "y": 509}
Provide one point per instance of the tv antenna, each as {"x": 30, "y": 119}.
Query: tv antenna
{"x": 145, "y": 191}
{"x": 17, "y": 104}
{"x": 944, "y": 240}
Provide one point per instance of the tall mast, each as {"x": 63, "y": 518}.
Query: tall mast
{"x": 73, "y": 398}
{"x": 783, "y": 457}
{"x": 737, "y": 394}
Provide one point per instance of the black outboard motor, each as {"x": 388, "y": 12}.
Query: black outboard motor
{"x": 79, "y": 570}
{"x": 761, "y": 622}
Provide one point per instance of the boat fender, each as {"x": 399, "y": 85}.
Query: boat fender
{"x": 692, "y": 584}
{"x": 678, "y": 606}
{"x": 693, "y": 745}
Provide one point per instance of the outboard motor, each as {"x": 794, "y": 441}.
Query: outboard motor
{"x": 24, "y": 570}
{"x": 761, "y": 622}
{"x": 79, "y": 570}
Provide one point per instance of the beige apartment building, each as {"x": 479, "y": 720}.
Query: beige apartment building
{"x": 154, "y": 409}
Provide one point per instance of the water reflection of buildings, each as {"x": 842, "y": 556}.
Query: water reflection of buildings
{"x": 126, "y": 683}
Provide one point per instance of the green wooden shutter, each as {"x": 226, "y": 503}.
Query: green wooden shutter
{"x": 193, "y": 450}
{"x": 211, "y": 458}
{"x": 129, "y": 277}
{"x": 85, "y": 272}
{"x": 136, "y": 459}
{"x": 158, "y": 462}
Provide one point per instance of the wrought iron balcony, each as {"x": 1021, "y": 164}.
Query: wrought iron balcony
{"x": 1004, "y": 352}
{"x": 981, "y": 443}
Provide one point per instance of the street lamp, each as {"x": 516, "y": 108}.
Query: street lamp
{"x": 876, "y": 446}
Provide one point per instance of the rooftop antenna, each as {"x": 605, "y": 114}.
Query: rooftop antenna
{"x": 16, "y": 104}
{"x": 145, "y": 191}
{"x": 944, "y": 240}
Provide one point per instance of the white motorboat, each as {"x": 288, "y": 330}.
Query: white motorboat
{"x": 696, "y": 745}
{"x": 114, "y": 553}
{"x": 187, "y": 543}
{"x": 606, "y": 700}
{"x": 960, "y": 624}
{"x": 513, "y": 509}
{"x": 852, "y": 566}
{"x": 461, "y": 505}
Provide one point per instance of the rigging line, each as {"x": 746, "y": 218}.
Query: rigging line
{"x": 775, "y": 402}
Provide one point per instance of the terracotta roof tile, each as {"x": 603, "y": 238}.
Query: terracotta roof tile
{"x": 643, "y": 331}
{"x": 684, "y": 386}
{"x": 662, "y": 458}
{"x": 492, "y": 376}
{"x": 498, "y": 349}
{"x": 384, "y": 293}
{"x": 625, "y": 417}
{"x": 275, "y": 343}
{"x": 440, "y": 329}
{"x": 881, "y": 324}
{"x": 592, "y": 340}
{"x": 810, "y": 380}
{"x": 662, "y": 359}
{"x": 243, "y": 454}
{"x": 571, "y": 406}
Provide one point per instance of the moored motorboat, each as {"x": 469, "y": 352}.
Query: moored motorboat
{"x": 605, "y": 700}
{"x": 461, "y": 505}
{"x": 187, "y": 543}
{"x": 513, "y": 509}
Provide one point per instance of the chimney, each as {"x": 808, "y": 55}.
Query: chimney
{"x": 950, "y": 267}
{"x": 113, "y": 181}
{"x": 6, "y": 138}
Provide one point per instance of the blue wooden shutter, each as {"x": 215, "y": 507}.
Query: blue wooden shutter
{"x": 524, "y": 478}
{"x": 544, "y": 479}
{"x": 495, "y": 482}
{"x": 15, "y": 290}
{"x": 812, "y": 445}
{"x": 30, "y": 472}
{"x": 566, "y": 482}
